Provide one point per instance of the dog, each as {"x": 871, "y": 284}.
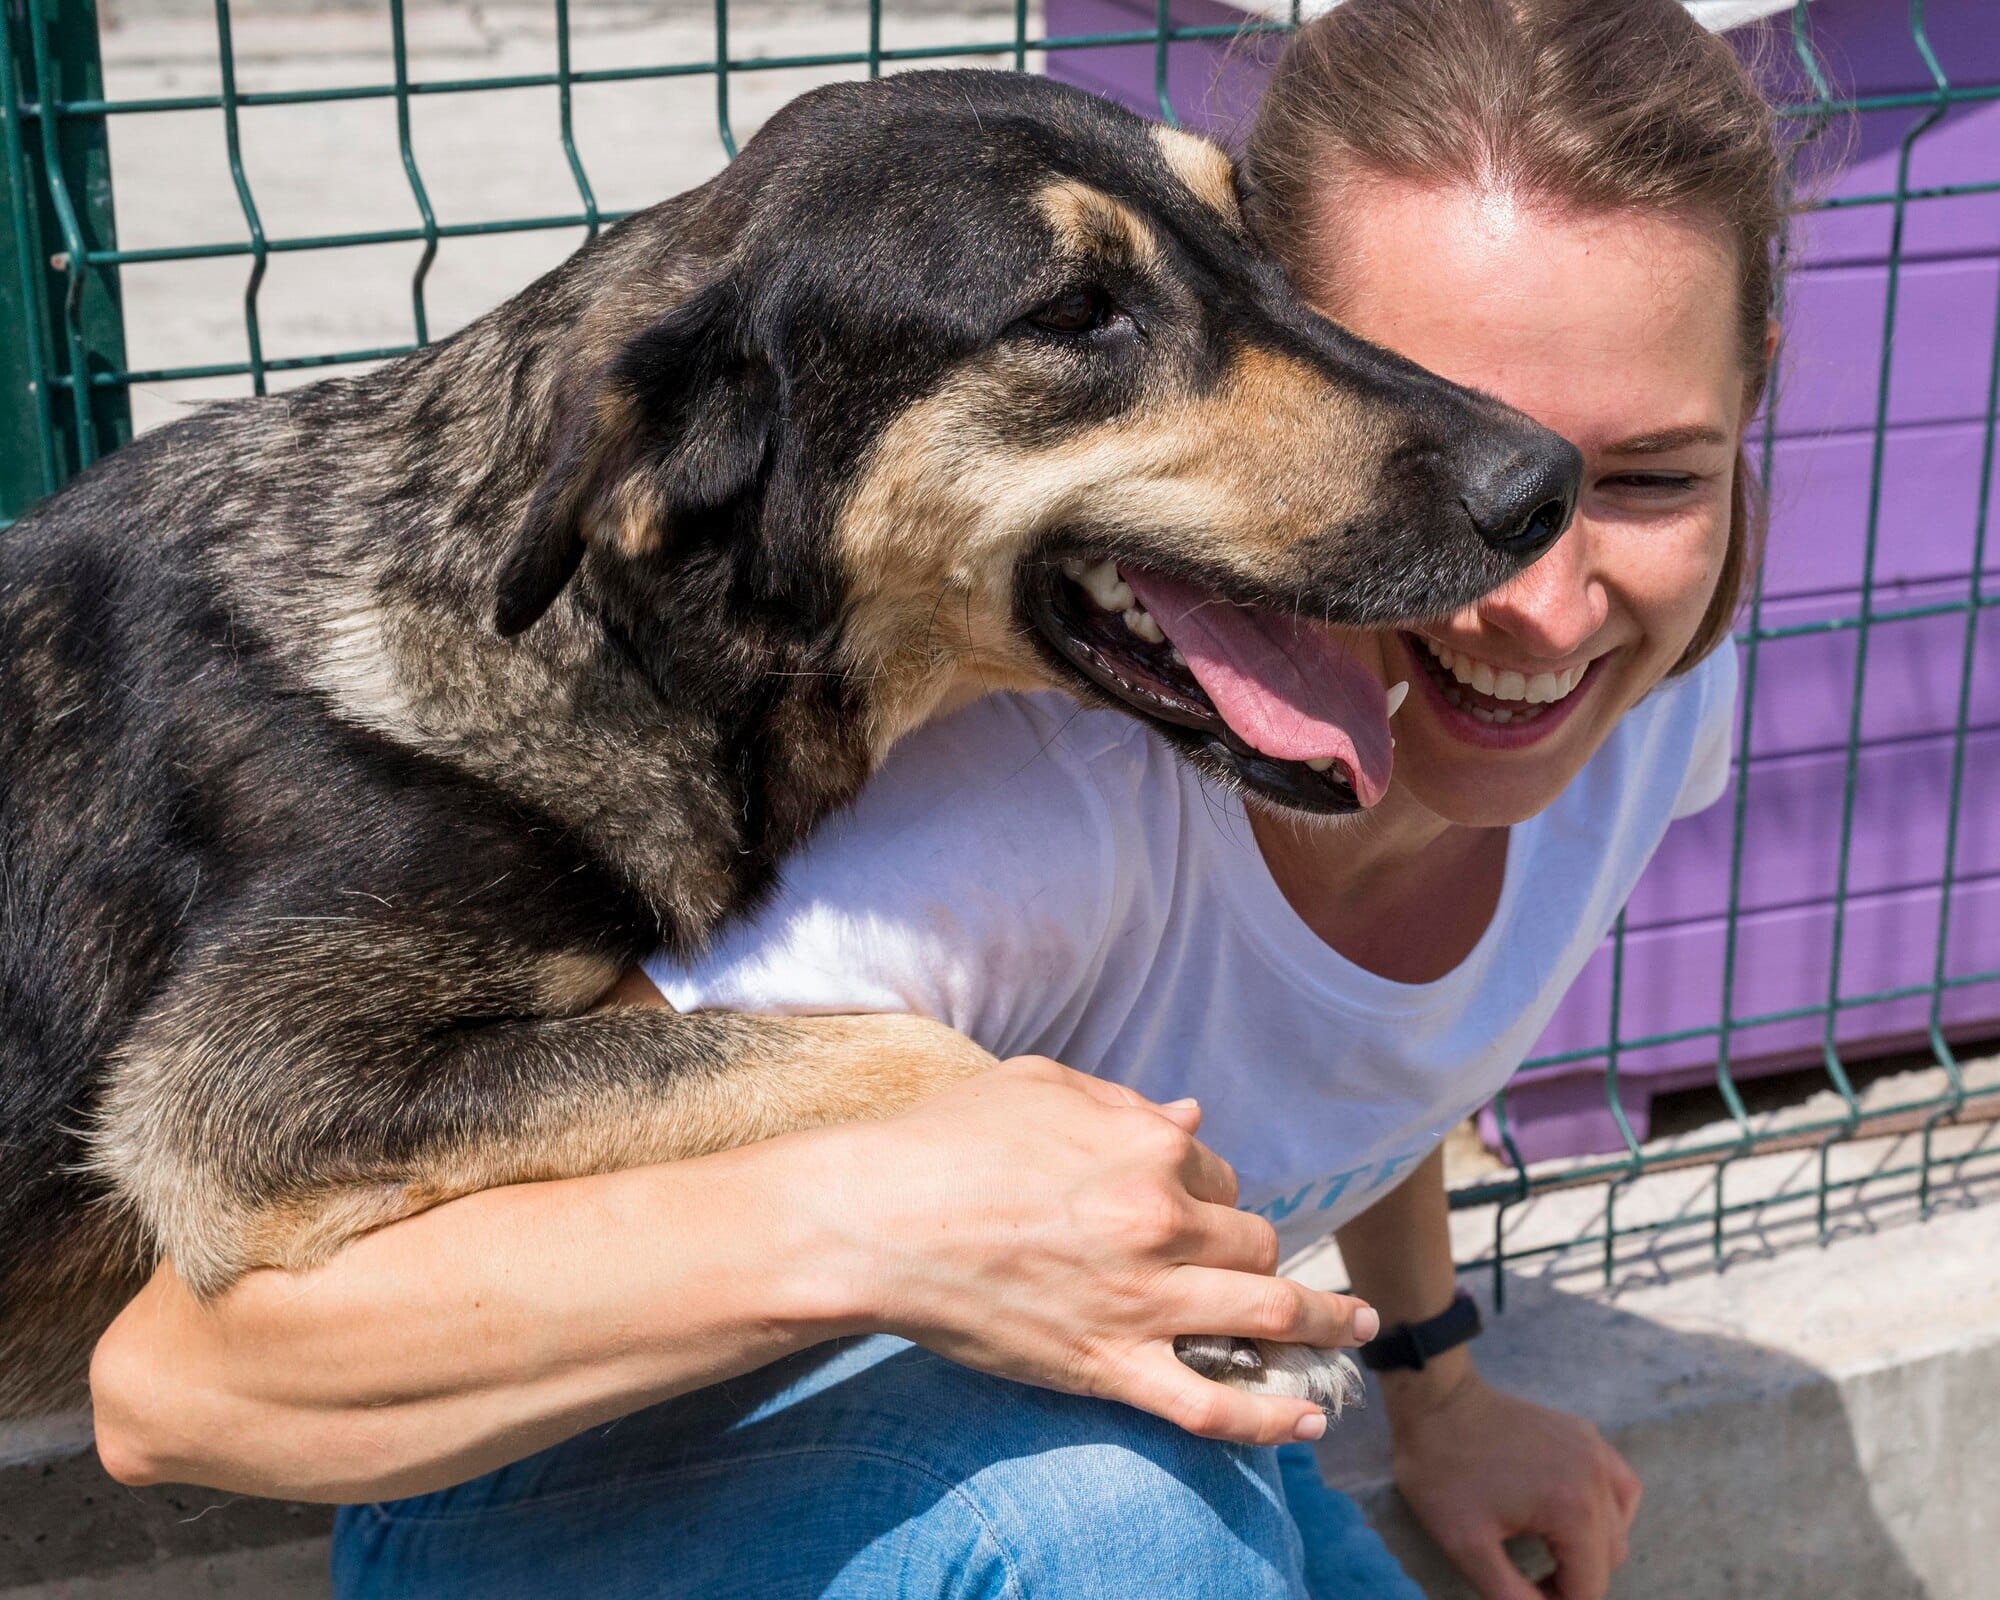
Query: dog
{"x": 356, "y": 739}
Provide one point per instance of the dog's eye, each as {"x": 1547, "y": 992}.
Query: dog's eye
{"x": 1076, "y": 311}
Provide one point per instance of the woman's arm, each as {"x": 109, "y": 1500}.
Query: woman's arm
{"x": 1400, "y": 1248}
{"x": 1477, "y": 1466}
{"x": 1032, "y": 1222}
{"x": 470, "y": 1335}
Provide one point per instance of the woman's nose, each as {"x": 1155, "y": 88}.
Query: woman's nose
{"x": 1554, "y": 607}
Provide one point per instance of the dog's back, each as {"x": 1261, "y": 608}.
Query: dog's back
{"x": 159, "y": 768}
{"x": 105, "y": 857}
{"x": 167, "y": 771}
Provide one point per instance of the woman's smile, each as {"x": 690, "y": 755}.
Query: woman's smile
{"x": 1496, "y": 707}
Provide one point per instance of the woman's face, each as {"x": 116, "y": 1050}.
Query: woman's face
{"x": 1617, "y": 331}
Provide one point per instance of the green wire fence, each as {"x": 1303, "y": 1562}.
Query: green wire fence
{"x": 66, "y": 390}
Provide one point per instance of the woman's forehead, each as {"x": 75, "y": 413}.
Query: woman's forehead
{"x": 1602, "y": 325}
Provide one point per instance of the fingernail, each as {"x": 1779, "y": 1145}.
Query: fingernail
{"x": 1367, "y": 1323}
{"x": 1311, "y": 1426}
{"x": 1187, "y": 1104}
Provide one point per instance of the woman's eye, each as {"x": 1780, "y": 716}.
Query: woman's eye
{"x": 1076, "y": 311}
{"x": 1652, "y": 483}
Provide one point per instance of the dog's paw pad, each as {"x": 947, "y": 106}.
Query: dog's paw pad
{"x": 1325, "y": 1377}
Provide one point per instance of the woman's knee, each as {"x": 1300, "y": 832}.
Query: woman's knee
{"x": 1118, "y": 1504}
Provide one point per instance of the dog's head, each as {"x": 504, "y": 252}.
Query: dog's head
{"x": 982, "y": 382}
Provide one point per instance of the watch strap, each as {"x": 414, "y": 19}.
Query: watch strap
{"x": 1410, "y": 1346}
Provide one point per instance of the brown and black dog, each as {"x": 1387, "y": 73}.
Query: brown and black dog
{"x": 356, "y": 739}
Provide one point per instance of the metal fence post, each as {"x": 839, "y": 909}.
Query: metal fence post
{"x": 60, "y": 306}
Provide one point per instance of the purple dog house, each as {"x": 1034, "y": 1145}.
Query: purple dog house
{"x": 1822, "y": 455}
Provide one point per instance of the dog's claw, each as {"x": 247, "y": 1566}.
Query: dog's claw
{"x": 1325, "y": 1377}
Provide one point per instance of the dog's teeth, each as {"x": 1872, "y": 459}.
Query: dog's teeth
{"x": 1395, "y": 695}
{"x": 1141, "y": 622}
{"x": 1319, "y": 763}
{"x": 1106, "y": 588}
{"x": 1174, "y": 655}
{"x": 1073, "y": 568}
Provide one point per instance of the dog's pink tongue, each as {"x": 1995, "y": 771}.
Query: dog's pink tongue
{"x": 1283, "y": 684}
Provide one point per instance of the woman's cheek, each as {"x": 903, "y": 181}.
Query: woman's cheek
{"x": 1673, "y": 571}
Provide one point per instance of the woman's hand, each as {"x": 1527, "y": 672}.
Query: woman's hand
{"x": 1479, "y": 1467}
{"x": 1051, "y": 1227}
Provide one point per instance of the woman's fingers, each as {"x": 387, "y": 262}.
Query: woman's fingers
{"x": 1625, "y": 1487}
{"x": 1184, "y": 1114}
{"x": 1222, "y": 1236}
{"x": 1582, "y": 1549}
{"x": 1246, "y": 1305}
{"x": 1206, "y": 1175}
{"x": 1484, "y": 1560}
{"x": 1155, "y": 1380}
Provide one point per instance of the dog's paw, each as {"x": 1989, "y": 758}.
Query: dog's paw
{"x": 1325, "y": 1377}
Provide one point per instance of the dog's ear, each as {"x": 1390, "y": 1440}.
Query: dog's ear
{"x": 677, "y": 424}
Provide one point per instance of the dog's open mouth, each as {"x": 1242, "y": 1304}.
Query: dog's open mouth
{"x": 1272, "y": 697}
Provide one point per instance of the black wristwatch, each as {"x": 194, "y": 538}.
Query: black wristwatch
{"x": 1409, "y": 1346}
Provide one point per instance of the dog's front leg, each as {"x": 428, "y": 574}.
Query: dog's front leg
{"x": 275, "y": 1142}
{"x": 258, "y": 1118}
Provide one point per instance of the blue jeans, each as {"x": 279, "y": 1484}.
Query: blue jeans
{"x": 874, "y": 1470}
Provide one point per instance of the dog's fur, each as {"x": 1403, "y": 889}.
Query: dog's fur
{"x": 356, "y": 739}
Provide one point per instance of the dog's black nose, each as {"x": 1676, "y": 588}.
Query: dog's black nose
{"x": 1522, "y": 501}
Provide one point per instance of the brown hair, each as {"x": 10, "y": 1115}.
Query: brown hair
{"x": 1602, "y": 105}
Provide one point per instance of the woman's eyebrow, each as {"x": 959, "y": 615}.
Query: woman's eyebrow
{"x": 1654, "y": 444}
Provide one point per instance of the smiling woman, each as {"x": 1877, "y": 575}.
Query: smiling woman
{"x": 1568, "y": 204}
{"x": 1602, "y": 324}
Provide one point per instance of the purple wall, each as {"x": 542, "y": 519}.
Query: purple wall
{"x": 1823, "y": 466}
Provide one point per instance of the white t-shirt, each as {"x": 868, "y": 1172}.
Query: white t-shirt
{"x": 1051, "y": 881}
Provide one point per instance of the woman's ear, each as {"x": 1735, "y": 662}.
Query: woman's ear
{"x": 677, "y": 424}
{"x": 1773, "y": 332}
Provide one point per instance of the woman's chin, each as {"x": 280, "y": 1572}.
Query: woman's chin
{"x": 1477, "y": 788}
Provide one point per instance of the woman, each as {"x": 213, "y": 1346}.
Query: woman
{"x": 1571, "y": 204}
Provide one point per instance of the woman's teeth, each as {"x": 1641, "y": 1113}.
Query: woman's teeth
{"x": 1533, "y": 694}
